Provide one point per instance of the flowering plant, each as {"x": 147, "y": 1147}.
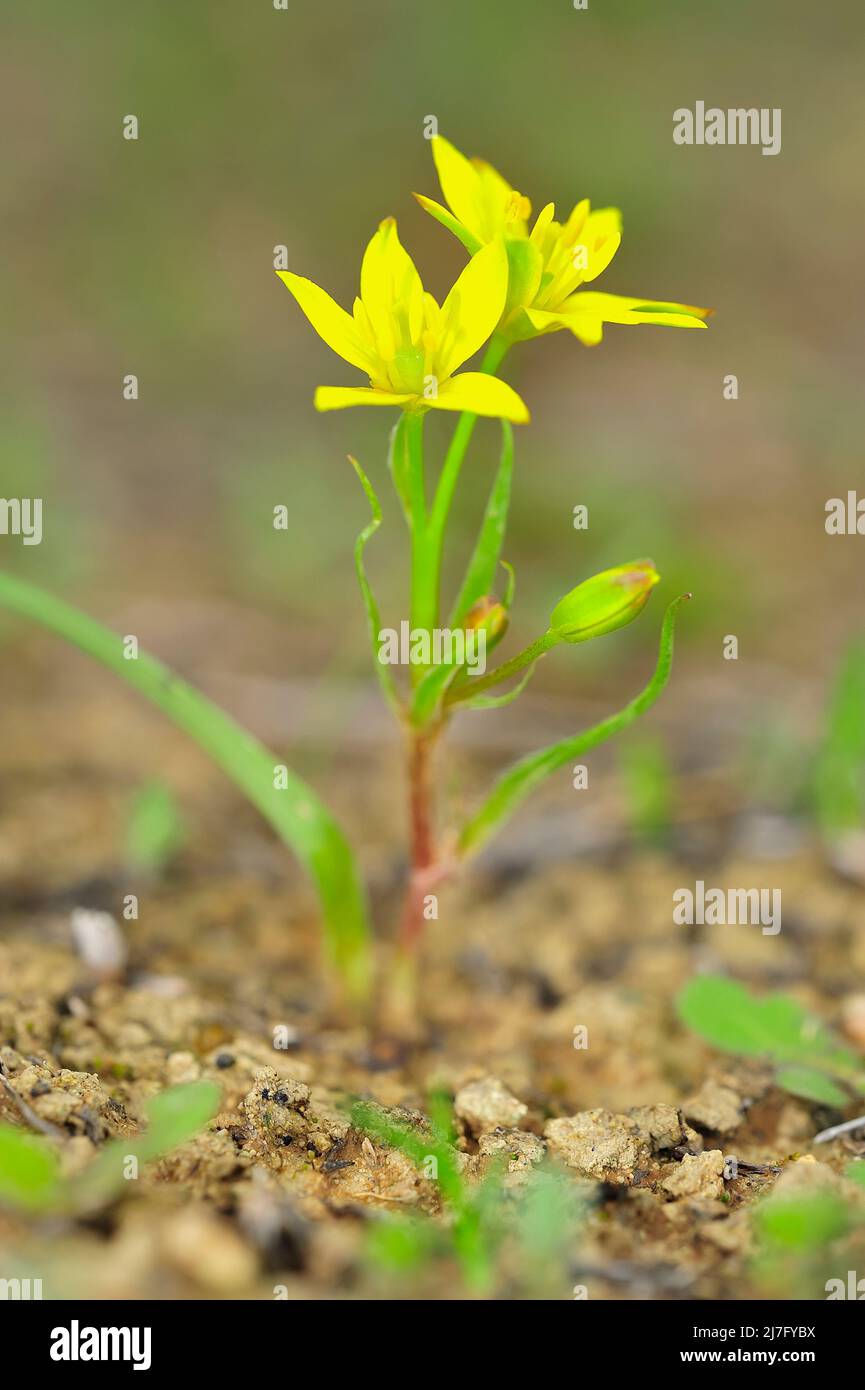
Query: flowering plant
{"x": 520, "y": 281}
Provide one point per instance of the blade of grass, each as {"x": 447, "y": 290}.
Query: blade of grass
{"x": 294, "y": 810}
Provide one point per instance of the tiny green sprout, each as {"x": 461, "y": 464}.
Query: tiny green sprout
{"x": 28, "y": 1170}
{"x": 495, "y": 1237}
{"x": 649, "y": 788}
{"x": 804, "y": 1222}
{"x": 809, "y": 1060}
{"x": 803, "y": 1239}
{"x": 155, "y": 830}
{"x": 412, "y": 351}
{"x": 30, "y": 1175}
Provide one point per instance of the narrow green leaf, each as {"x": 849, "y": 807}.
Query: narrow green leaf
{"x": 481, "y": 573}
{"x": 519, "y": 780}
{"x": 373, "y": 619}
{"x": 292, "y": 808}
{"x": 29, "y": 1170}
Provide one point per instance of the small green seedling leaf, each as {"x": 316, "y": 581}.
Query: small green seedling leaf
{"x": 809, "y": 1058}
{"x": 29, "y": 1170}
{"x": 178, "y": 1114}
{"x": 524, "y": 776}
{"x": 399, "y": 1245}
{"x": 155, "y": 830}
{"x": 288, "y": 803}
{"x": 174, "y": 1116}
{"x": 804, "y": 1223}
{"x": 810, "y": 1084}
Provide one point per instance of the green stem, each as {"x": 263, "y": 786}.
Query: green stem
{"x": 450, "y": 473}
{"x": 424, "y": 574}
{"x": 476, "y": 685}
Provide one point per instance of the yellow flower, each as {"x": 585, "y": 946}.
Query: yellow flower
{"x": 548, "y": 263}
{"x": 407, "y": 345}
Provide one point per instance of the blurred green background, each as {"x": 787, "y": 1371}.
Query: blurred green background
{"x": 261, "y": 127}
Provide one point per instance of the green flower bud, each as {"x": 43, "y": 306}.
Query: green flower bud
{"x": 490, "y": 616}
{"x": 606, "y": 601}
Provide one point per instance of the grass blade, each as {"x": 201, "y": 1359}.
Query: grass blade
{"x": 293, "y": 809}
{"x": 515, "y": 784}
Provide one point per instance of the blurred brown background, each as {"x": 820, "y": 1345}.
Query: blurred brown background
{"x": 260, "y": 127}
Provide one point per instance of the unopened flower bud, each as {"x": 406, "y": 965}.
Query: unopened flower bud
{"x": 606, "y": 601}
{"x": 489, "y": 616}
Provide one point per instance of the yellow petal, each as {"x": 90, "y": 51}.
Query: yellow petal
{"x": 499, "y": 204}
{"x": 482, "y": 395}
{"x": 331, "y": 323}
{"x": 391, "y": 290}
{"x": 473, "y": 307}
{"x": 461, "y": 185}
{"x": 338, "y": 397}
{"x": 585, "y": 326}
{"x": 545, "y": 217}
{"x": 447, "y": 219}
{"x": 602, "y": 236}
{"x": 617, "y": 308}
{"x": 577, "y": 219}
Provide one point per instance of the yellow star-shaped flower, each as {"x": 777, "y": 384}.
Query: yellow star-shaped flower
{"x": 408, "y": 345}
{"x": 547, "y": 263}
